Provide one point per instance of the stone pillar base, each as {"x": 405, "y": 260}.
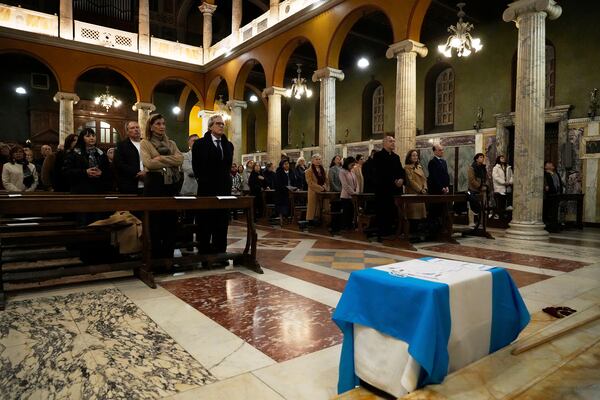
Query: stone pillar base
{"x": 527, "y": 231}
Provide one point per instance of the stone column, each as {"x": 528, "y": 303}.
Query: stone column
{"x": 274, "y": 94}
{"x": 207, "y": 11}
{"x": 236, "y": 107}
{"x": 405, "y": 120}
{"x": 144, "y": 27}
{"x": 143, "y": 110}
{"x": 65, "y": 114}
{"x": 327, "y": 132}
{"x": 66, "y": 19}
{"x": 236, "y": 18}
{"x": 530, "y": 17}
{"x": 205, "y": 115}
{"x": 273, "y": 12}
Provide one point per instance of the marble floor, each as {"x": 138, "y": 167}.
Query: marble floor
{"x": 234, "y": 334}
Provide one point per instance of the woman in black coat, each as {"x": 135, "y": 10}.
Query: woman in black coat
{"x": 284, "y": 179}
{"x": 256, "y": 182}
{"x": 86, "y": 168}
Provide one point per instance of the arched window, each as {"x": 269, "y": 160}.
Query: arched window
{"x": 377, "y": 117}
{"x": 550, "y": 74}
{"x": 444, "y": 98}
{"x": 372, "y": 111}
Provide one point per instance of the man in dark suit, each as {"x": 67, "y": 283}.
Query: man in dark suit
{"x": 212, "y": 156}
{"x": 389, "y": 179}
{"x": 438, "y": 182}
{"x": 130, "y": 170}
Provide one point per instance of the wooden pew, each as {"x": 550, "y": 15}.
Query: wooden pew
{"x": 52, "y": 205}
{"x": 363, "y": 218}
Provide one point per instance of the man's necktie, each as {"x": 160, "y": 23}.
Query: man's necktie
{"x": 219, "y": 147}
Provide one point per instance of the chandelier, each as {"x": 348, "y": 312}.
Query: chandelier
{"x": 107, "y": 100}
{"x": 299, "y": 87}
{"x": 460, "y": 38}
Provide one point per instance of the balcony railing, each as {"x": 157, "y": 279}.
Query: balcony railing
{"x": 175, "y": 51}
{"x": 106, "y": 37}
{"x": 37, "y": 22}
{"x": 28, "y": 20}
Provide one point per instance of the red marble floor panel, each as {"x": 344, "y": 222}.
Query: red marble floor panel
{"x": 281, "y": 324}
{"x": 556, "y": 264}
{"x": 271, "y": 259}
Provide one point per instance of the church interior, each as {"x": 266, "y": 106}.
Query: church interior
{"x": 497, "y": 296}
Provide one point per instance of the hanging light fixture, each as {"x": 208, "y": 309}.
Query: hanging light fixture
{"x": 460, "y": 39}
{"x": 222, "y": 109}
{"x": 299, "y": 87}
{"x": 107, "y": 100}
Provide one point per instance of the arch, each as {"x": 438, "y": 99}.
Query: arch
{"x": 415, "y": 21}
{"x": 211, "y": 91}
{"x": 284, "y": 56}
{"x": 342, "y": 30}
{"x": 132, "y": 82}
{"x": 367, "y": 110}
{"x": 38, "y": 58}
{"x": 188, "y": 83}
{"x": 430, "y": 98}
{"x": 258, "y": 94}
{"x": 242, "y": 77}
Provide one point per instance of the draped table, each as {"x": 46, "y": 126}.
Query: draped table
{"x": 409, "y": 324}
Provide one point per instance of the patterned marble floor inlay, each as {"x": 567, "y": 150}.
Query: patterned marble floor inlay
{"x": 281, "y": 324}
{"x": 509, "y": 257}
{"x": 346, "y": 260}
{"x": 94, "y": 345}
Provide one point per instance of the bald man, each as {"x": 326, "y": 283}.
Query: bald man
{"x": 389, "y": 178}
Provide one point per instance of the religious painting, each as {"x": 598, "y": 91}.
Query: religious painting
{"x": 590, "y": 147}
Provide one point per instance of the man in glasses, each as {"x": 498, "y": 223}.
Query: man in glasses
{"x": 212, "y": 156}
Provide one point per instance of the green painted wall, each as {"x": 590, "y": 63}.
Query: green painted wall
{"x": 303, "y": 119}
{"x": 261, "y": 126}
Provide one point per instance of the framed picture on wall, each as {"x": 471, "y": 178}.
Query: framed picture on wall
{"x": 590, "y": 147}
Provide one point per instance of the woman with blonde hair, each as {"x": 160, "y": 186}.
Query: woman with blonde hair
{"x": 316, "y": 179}
{"x": 416, "y": 183}
{"x": 162, "y": 162}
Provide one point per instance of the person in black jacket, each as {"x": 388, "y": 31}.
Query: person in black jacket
{"x": 130, "y": 170}
{"x": 438, "y": 182}
{"x": 553, "y": 185}
{"x": 256, "y": 183}
{"x": 284, "y": 180}
{"x": 212, "y": 156}
{"x": 59, "y": 181}
{"x": 86, "y": 168}
{"x": 388, "y": 183}
{"x": 269, "y": 174}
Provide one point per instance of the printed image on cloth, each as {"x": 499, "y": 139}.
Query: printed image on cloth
{"x": 409, "y": 324}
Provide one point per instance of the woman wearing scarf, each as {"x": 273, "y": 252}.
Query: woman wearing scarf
{"x": 316, "y": 179}
{"x": 162, "y": 162}
{"x": 86, "y": 168}
{"x": 19, "y": 175}
{"x": 477, "y": 178}
{"x": 503, "y": 180}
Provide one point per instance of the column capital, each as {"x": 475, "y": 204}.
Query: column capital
{"x": 237, "y": 104}
{"x": 521, "y": 7}
{"x": 328, "y": 72}
{"x": 406, "y": 46}
{"x": 207, "y": 8}
{"x": 143, "y": 106}
{"x": 273, "y": 90}
{"x": 65, "y": 96}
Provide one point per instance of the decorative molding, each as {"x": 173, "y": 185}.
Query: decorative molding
{"x": 237, "y": 103}
{"x": 552, "y": 114}
{"x": 327, "y": 72}
{"x": 406, "y": 46}
{"x": 140, "y": 105}
{"x": 206, "y": 8}
{"x": 522, "y": 7}
{"x": 59, "y": 96}
{"x": 273, "y": 90}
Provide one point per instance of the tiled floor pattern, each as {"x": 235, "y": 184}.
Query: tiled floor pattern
{"x": 270, "y": 336}
{"x": 90, "y": 345}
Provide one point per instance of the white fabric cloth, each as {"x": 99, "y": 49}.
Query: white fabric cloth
{"x": 384, "y": 361}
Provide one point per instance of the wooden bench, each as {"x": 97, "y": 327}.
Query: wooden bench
{"x": 364, "y": 219}
{"x": 59, "y": 205}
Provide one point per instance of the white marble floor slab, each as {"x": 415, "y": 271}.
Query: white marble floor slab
{"x": 242, "y": 387}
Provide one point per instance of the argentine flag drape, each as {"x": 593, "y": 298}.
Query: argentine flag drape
{"x": 409, "y": 324}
